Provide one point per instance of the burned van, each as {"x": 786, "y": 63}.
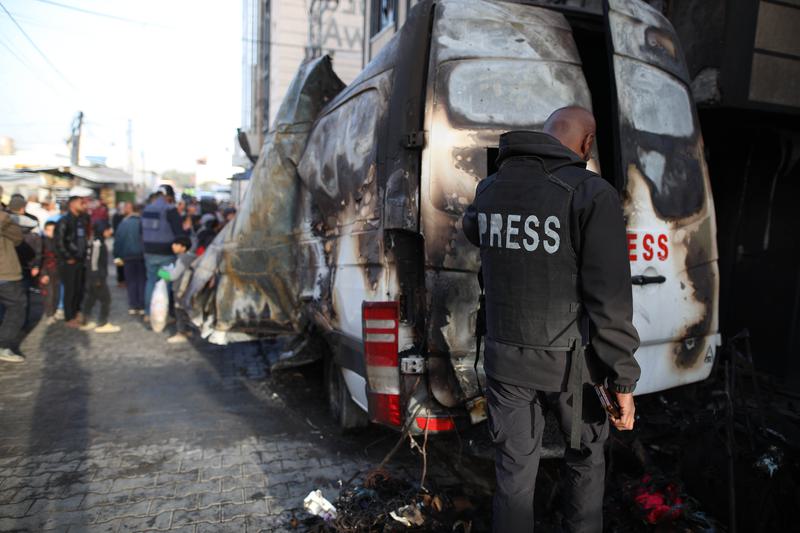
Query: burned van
{"x": 351, "y": 229}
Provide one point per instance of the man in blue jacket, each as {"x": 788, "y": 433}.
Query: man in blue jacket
{"x": 129, "y": 251}
{"x": 161, "y": 224}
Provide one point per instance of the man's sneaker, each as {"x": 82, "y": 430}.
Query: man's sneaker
{"x": 178, "y": 338}
{"x": 59, "y": 314}
{"x": 9, "y": 356}
{"x": 132, "y": 312}
{"x": 108, "y": 327}
{"x": 74, "y": 323}
{"x": 89, "y": 325}
{"x": 140, "y": 311}
{"x": 50, "y": 320}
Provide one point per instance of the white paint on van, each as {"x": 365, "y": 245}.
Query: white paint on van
{"x": 357, "y": 386}
{"x": 652, "y": 100}
{"x": 662, "y": 312}
{"x": 653, "y": 163}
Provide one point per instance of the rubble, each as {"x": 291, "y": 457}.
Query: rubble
{"x": 670, "y": 474}
{"x": 389, "y": 502}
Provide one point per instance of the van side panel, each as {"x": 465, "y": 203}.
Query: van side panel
{"x": 339, "y": 170}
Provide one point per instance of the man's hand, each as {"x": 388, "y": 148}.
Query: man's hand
{"x": 627, "y": 410}
{"x": 71, "y": 261}
{"x": 34, "y": 272}
{"x": 44, "y": 280}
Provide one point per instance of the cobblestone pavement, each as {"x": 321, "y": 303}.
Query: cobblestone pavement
{"x": 124, "y": 432}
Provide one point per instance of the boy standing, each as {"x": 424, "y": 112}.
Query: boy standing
{"x": 184, "y": 258}
{"x": 48, "y": 276}
{"x": 97, "y": 280}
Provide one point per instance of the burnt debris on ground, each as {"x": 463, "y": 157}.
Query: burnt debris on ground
{"x": 720, "y": 455}
{"x": 670, "y": 474}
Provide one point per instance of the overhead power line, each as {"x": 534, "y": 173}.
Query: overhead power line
{"x": 28, "y": 37}
{"x": 30, "y": 69}
{"x": 13, "y": 53}
{"x": 99, "y": 14}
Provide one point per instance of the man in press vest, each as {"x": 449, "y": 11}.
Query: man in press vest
{"x": 558, "y": 314}
{"x": 161, "y": 224}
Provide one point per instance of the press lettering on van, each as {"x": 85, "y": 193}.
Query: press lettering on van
{"x": 512, "y": 232}
{"x": 532, "y": 244}
{"x": 552, "y": 247}
{"x": 663, "y": 249}
{"x": 647, "y": 244}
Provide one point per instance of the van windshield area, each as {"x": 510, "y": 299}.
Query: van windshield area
{"x": 509, "y": 92}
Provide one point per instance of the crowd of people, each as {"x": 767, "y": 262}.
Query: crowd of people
{"x": 63, "y": 255}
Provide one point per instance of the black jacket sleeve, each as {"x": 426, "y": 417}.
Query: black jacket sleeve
{"x": 469, "y": 224}
{"x": 64, "y": 245}
{"x": 606, "y": 281}
{"x": 175, "y": 223}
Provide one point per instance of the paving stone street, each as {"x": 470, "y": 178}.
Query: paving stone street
{"x": 124, "y": 432}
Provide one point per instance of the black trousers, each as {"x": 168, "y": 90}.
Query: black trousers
{"x": 15, "y": 302}
{"x": 135, "y": 279}
{"x": 97, "y": 291}
{"x": 51, "y": 293}
{"x": 72, "y": 277}
{"x": 516, "y": 422}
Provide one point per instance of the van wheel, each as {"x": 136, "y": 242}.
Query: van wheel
{"x": 344, "y": 410}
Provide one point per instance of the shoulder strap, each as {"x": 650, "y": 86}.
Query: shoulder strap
{"x": 480, "y": 327}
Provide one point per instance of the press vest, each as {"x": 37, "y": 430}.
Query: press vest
{"x": 530, "y": 268}
{"x": 155, "y": 226}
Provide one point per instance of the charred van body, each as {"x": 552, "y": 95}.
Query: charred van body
{"x": 351, "y": 229}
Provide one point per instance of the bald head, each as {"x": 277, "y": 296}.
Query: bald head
{"x": 574, "y": 126}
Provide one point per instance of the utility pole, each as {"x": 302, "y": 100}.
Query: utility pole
{"x": 75, "y": 139}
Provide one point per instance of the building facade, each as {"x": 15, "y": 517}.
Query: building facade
{"x": 277, "y": 36}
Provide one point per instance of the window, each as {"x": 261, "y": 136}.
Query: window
{"x": 384, "y": 14}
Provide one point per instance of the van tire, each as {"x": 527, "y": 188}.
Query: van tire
{"x": 344, "y": 410}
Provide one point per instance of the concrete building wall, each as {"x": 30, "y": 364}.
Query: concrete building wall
{"x": 336, "y": 30}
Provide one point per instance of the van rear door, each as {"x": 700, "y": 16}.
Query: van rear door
{"x": 494, "y": 67}
{"x": 667, "y": 199}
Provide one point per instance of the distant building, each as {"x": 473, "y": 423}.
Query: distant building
{"x": 277, "y": 37}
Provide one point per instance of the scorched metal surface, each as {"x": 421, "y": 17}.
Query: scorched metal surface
{"x": 358, "y": 193}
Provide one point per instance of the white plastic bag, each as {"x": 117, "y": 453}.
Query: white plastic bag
{"x": 159, "y": 306}
{"x": 316, "y": 504}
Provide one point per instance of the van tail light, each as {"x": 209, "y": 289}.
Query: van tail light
{"x": 435, "y": 424}
{"x": 380, "y": 326}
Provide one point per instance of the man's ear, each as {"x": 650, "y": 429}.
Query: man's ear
{"x": 586, "y": 146}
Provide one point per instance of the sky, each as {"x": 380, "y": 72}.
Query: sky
{"x": 173, "y": 67}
